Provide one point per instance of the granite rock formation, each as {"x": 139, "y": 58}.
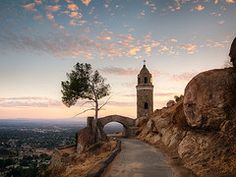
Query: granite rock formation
{"x": 232, "y": 53}
{"x": 210, "y": 98}
{"x": 201, "y": 128}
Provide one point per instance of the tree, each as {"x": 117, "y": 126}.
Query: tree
{"x": 84, "y": 83}
{"x": 178, "y": 98}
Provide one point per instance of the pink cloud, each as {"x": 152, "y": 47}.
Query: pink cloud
{"x": 119, "y": 71}
{"x": 216, "y": 44}
{"x": 29, "y": 7}
{"x": 199, "y": 7}
{"x": 72, "y": 7}
{"x": 230, "y": 1}
{"x": 69, "y": 1}
{"x": 105, "y": 36}
{"x": 76, "y": 15}
{"x": 160, "y": 94}
{"x": 124, "y": 71}
{"x": 53, "y": 8}
{"x": 50, "y": 17}
{"x": 38, "y": 2}
{"x": 86, "y": 2}
{"x": 133, "y": 51}
{"x": 190, "y": 48}
{"x": 29, "y": 102}
{"x": 173, "y": 40}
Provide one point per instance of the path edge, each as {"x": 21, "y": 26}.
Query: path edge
{"x": 97, "y": 172}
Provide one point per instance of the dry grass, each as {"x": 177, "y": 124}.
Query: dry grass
{"x": 80, "y": 165}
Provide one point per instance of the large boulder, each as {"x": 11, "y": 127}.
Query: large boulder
{"x": 170, "y": 103}
{"x": 210, "y": 98}
{"x": 86, "y": 138}
{"x": 232, "y": 53}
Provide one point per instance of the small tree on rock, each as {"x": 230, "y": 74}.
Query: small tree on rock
{"x": 178, "y": 98}
{"x": 85, "y": 84}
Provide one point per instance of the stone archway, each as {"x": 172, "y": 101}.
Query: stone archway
{"x": 115, "y": 129}
{"x": 127, "y": 122}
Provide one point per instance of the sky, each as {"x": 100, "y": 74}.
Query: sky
{"x": 41, "y": 40}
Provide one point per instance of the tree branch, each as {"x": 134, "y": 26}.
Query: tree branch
{"x": 104, "y": 103}
{"x": 83, "y": 112}
{"x": 87, "y": 102}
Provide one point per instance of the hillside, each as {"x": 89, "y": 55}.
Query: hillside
{"x": 200, "y": 129}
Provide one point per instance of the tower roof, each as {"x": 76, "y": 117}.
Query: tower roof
{"x": 144, "y": 71}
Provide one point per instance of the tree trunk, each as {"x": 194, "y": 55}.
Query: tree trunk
{"x": 96, "y": 128}
{"x": 96, "y": 110}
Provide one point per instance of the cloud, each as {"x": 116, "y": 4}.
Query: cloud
{"x": 86, "y": 2}
{"x": 133, "y": 51}
{"x": 72, "y": 7}
{"x": 69, "y": 1}
{"x": 50, "y": 17}
{"x": 124, "y": 71}
{"x": 29, "y": 7}
{"x": 53, "y": 8}
{"x": 151, "y": 5}
{"x": 190, "y": 48}
{"x": 38, "y": 2}
{"x": 160, "y": 94}
{"x": 119, "y": 71}
{"x": 173, "y": 40}
{"x": 80, "y": 43}
{"x": 73, "y": 22}
{"x": 29, "y": 102}
{"x": 221, "y": 22}
{"x": 199, "y": 7}
{"x": 187, "y": 76}
{"x": 163, "y": 49}
{"x": 230, "y": 1}
{"x": 217, "y": 44}
{"x": 76, "y": 15}
{"x": 121, "y": 104}
{"x": 166, "y": 94}
{"x": 105, "y": 36}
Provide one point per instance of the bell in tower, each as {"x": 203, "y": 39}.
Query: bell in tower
{"x": 144, "y": 93}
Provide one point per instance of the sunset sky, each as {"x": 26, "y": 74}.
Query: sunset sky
{"x": 41, "y": 40}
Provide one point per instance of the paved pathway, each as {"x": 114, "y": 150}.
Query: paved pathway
{"x": 138, "y": 159}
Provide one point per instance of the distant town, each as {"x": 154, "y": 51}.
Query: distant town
{"x": 26, "y": 146}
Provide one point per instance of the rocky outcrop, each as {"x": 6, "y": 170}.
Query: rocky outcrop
{"x": 210, "y": 98}
{"x": 170, "y": 103}
{"x": 86, "y": 138}
{"x": 201, "y": 128}
{"x": 90, "y": 135}
{"x": 232, "y": 53}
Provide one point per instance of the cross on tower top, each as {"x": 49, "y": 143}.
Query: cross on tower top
{"x": 144, "y": 62}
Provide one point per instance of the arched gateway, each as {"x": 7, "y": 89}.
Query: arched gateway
{"x": 127, "y": 122}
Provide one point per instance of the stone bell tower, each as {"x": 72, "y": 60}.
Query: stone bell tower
{"x": 144, "y": 92}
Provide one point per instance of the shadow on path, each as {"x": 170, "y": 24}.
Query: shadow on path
{"x": 138, "y": 159}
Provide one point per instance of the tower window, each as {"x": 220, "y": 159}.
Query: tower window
{"x": 145, "y": 80}
{"x": 145, "y": 105}
{"x": 138, "y": 80}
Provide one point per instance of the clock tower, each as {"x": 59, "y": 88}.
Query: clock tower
{"x": 144, "y": 92}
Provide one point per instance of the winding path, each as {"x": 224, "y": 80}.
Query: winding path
{"x": 138, "y": 159}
